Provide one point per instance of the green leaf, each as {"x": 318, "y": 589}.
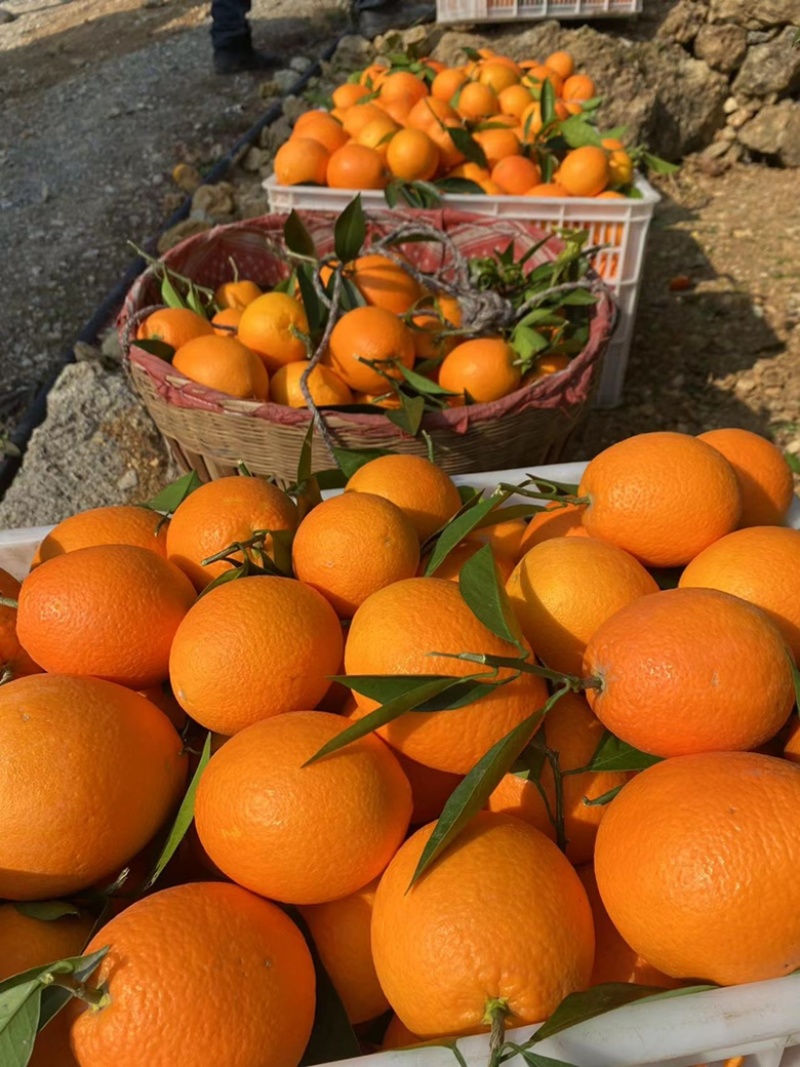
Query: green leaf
{"x": 485, "y": 598}
{"x": 527, "y": 343}
{"x": 349, "y": 231}
{"x": 19, "y": 1019}
{"x": 460, "y": 185}
{"x": 409, "y": 416}
{"x": 577, "y": 132}
{"x": 169, "y": 293}
{"x": 424, "y": 385}
{"x": 46, "y": 910}
{"x": 463, "y": 691}
{"x": 467, "y": 145}
{"x": 315, "y": 310}
{"x": 242, "y": 571}
{"x": 350, "y": 459}
{"x": 578, "y": 298}
{"x": 156, "y": 348}
{"x": 792, "y": 459}
{"x": 332, "y": 1036}
{"x": 194, "y": 302}
{"x": 419, "y": 194}
{"x": 474, "y": 790}
{"x": 615, "y": 755}
{"x": 457, "y": 529}
{"x": 54, "y": 997}
{"x": 533, "y": 1059}
{"x": 547, "y": 102}
{"x": 601, "y": 801}
{"x": 657, "y": 164}
{"x": 173, "y": 495}
{"x": 350, "y": 296}
{"x": 578, "y": 1007}
{"x": 413, "y": 697}
{"x": 796, "y": 680}
{"x": 297, "y": 238}
{"x": 183, "y": 819}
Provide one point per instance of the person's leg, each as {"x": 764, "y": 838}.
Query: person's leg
{"x": 230, "y": 36}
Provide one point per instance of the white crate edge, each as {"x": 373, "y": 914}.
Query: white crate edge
{"x": 760, "y": 1021}
{"x": 472, "y": 11}
{"x": 633, "y": 215}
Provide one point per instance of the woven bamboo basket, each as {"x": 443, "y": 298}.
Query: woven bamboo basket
{"x": 211, "y": 433}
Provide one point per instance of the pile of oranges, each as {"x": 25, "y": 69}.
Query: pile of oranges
{"x": 257, "y": 345}
{"x": 634, "y": 685}
{"x": 506, "y": 128}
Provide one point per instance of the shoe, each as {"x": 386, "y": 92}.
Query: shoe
{"x": 236, "y": 60}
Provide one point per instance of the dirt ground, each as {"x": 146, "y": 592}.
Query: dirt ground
{"x": 99, "y": 99}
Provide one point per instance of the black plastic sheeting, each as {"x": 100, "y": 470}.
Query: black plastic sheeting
{"x": 35, "y": 414}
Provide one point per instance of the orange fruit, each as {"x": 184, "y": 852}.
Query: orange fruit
{"x": 326, "y": 388}
{"x": 498, "y": 76}
{"x": 764, "y": 476}
{"x": 226, "y": 322}
{"x": 340, "y": 929}
{"x": 563, "y": 589}
{"x": 79, "y": 752}
{"x": 412, "y": 156}
{"x": 614, "y": 959}
{"x": 430, "y": 789}
{"x": 711, "y": 670}
{"x": 118, "y": 524}
{"x": 271, "y": 326}
{"x": 447, "y": 83}
{"x": 573, "y": 732}
{"x": 355, "y": 166}
{"x": 221, "y": 513}
{"x": 396, "y": 631}
{"x": 350, "y": 546}
{"x": 348, "y": 94}
{"x": 358, "y": 117}
{"x": 402, "y": 83}
{"x": 429, "y": 111}
{"x": 535, "y": 76}
{"x": 661, "y": 496}
{"x": 714, "y": 895}
{"x": 554, "y": 189}
{"x": 174, "y": 326}
{"x": 237, "y": 294}
{"x": 364, "y": 336}
{"x": 28, "y": 943}
{"x": 484, "y": 368}
{"x": 556, "y": 520}
{"x": 384, "y": 283}
{"x": 324, "y": 129}
{"x": 531, "y": 121}
{"x": 14, "y": 660}
{"x": 514, "y": 100}
{"x": 253, "y": 648}
{"x": 585, "y": 171}
{"x": 430, "y": 342}
{"x": 477, "y": 101}
{"x": 398, "y": 1036}
{"x": 272, "y": 823}
{"x": 106, "y": 610}
{"x": 620, "y": 164}
{"x": 504, "y": 536}
{"x": 162, "y": 1009}
{"x": 451, "y": 568}
{"x": 422, "y": 490}
{"x": 449, "y": 154}
{"x": 562, "y": 63}
{"x": 471, "y": 171}
{"x": 547, "y": 365}
{"x": 373, "y": 75}
{"x": 302, "y": 161}
{"x": 377, "y": 134}
{"x": 530, "y": 949}
{"x": 578, "y": 88}
{"x": 497, "y": 144}
{"x": 387, "y": 400}
{"x": 515, "y": 174}
{"x": 760, "y": 564}
{"x": 224, "y": 364}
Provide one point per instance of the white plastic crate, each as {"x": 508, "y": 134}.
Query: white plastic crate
{"x": 502, "y": 10}
{"x": 620, "y": 226}
{"x": 760, "y": 1021}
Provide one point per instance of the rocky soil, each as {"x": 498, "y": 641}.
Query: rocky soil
{"x": 88, "y": 142}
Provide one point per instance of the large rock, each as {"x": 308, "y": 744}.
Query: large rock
{"x": 773, "y": 67}
{"x": 755, "y": 14}
{"x": 683, "y": 21}
{"x": 775, "y": 133}
{"x": 689, "y": 101}
{"x": 721, "y": 45}
{"x": 450, "y": 49}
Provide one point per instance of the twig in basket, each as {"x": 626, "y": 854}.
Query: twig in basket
{"x": 317, "y": 355}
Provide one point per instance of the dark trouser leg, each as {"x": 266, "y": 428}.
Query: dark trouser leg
{"x": 229, "y": 26}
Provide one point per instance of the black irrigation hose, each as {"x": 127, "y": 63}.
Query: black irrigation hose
{"x": 35, "y": 414}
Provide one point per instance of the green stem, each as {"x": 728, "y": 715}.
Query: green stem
{"x": 496, "y": 1013}
{"x": 8, "y": 602}
{"x": 95, "y": 998}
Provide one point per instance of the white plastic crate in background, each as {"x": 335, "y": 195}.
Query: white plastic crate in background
{"x": 501, "y": 10}
{"x": 620, "y": 226}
